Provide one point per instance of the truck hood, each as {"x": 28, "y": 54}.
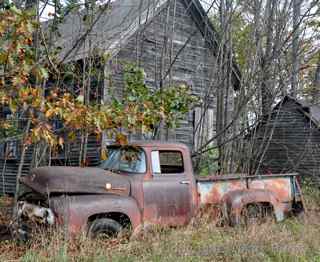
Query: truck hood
{"x": 76, "y": 180}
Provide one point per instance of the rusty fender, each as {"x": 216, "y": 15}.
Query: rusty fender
{"x": 234, "y": 202}
{"x": 74, "y": 211}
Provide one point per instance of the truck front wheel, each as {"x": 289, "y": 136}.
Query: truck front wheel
{"x": 104, "y": 228}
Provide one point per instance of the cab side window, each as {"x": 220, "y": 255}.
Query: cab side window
{"x": 167, "y": 162}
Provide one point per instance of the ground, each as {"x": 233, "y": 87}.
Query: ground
{"x": 295, "y": 239}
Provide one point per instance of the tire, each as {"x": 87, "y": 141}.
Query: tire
{"x": 105, "y": 228}
{"x": 254, "y": 213}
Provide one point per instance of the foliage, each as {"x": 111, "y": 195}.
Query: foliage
{"x": 241, "y": 30}
{"x": 17, "y": 64}
{"x": 9, "y": 129}
{"x": 24, "y": 76}
{"x": 168, "y": 104}
{"x": 208, "y": 163}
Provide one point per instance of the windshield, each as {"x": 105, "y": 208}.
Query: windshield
{"x": 125, "y": 159}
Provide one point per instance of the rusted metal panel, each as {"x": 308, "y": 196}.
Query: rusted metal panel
{"x": 47, "y": 180}
{"x": 213, "y": 191}
{"x": 237, "y": 200}
{"x": 282, "y": 187}
{"x": 238, "y": 176}
{"x": 75, "y": 211}
{"x": 167, "y": 200}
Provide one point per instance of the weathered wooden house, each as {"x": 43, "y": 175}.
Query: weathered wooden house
{"x": 288, "y": 140}
{"x": 173, "y": 41}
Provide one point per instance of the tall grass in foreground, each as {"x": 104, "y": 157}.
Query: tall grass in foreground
{"x": 291, "y": 240}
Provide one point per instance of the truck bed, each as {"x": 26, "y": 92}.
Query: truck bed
{"x": 213, "y": 188}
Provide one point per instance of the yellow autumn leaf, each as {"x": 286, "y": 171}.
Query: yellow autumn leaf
{"x": 61, "y": 141}
{"x": 103, "y": 155}
{"x": 49, "y": 112}
{"x": 121, "y": 139}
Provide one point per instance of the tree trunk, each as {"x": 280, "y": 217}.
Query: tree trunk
{"x": 22, "y": 158}
{"x": 266, "y": 88}
{"x": 316, "y": 84}
{"x": 295, "y": 47}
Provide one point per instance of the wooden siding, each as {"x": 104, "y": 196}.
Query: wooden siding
{"x": 193, "y": 67}
{"x": 9, "y": 168}
{"x": 294, "y": 145}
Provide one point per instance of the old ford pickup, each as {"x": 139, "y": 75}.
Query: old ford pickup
{"x": 149, "y": 183}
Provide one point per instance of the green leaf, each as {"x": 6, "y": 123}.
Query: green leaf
{"x": 15, "y": 10}
{"x": 44, "y": 73}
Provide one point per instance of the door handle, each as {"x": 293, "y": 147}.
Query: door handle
{"x": 185, "y": 182}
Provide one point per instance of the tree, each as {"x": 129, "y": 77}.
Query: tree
{"x": 25, "y": 70}
{"x": 296, "y": 6}
{"x": 276, "y": 46}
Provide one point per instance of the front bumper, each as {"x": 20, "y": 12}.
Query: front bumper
{"x": 35, "y": 213}
{"x": 30, "y": 218}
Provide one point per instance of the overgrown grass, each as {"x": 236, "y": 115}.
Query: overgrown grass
{"x": 291, "y": 240}
{"x": 287, "y": 241}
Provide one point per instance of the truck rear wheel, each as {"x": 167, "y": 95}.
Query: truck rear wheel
{"x": 255, "y": 213}
{"x": 104, "y": 228}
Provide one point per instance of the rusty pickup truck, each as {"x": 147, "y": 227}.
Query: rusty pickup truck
{"x": 149, "y": 183}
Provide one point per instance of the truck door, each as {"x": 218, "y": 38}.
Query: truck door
{"x": 168, "y": 195}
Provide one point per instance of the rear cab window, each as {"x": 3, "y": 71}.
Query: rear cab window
{"x": 167, "y": 162}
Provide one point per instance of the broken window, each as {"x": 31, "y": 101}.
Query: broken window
{"x": 125, "y": 159}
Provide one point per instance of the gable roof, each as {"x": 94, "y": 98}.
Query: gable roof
{"x": 311, "y": 111}
{"x": 115, "y": 23}
{"x": 112, "y": 24}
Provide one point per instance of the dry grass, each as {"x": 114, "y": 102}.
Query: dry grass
{"x": 291, "y": 240}
{"x": 5, "y": 206}
{"x": 287, "y": 241}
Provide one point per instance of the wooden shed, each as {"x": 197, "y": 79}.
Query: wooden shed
{"x": 288, "y": 140}
{"x": 173, "y": 41}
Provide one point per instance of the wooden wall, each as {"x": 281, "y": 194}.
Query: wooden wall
{"x": 67, "y": 157}
{"x": 194, "y": 66}
{"x": 294, "y": 144}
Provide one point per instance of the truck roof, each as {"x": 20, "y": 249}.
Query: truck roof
{"x": 154, "y": 143}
